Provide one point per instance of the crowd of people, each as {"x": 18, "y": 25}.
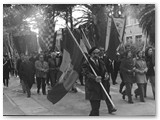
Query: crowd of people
{"x": 133, "y": 69}
{"x": 40, "y": 68}
{"x": 43, "y": 69}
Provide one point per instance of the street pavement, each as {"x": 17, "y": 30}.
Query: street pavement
{"x": 15, "y": 102}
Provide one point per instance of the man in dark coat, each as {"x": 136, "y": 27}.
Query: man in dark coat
{"x": 19, "y": 61}
{"x": 93, "y": 90}
{"x": 116, "y": 67}
{"x": 33, "y": 59}
{"x": 127, "y": 70}
{"x": 27, "y": 74}
{"x": 6, "y": 70}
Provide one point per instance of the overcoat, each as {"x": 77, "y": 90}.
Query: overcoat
{"x": 141, "y": 69}
{"x": 126, "y": 65}
{"x": 27, "y": 73}
{"x": 93, "y": 89}
{"x": 6, "y": 69}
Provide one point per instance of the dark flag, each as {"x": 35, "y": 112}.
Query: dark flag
{"x": 113, "y": 41}
{"x": 71, "y": 62}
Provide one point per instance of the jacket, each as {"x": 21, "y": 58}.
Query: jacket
{"x": 140, "y": 71}
{"x": 41, "y": 69}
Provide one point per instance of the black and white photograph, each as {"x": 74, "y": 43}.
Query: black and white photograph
{"x": 79, "y": 59}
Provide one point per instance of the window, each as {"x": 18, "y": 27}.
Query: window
{"x": 129, "y": 39}
{"x": 131, "y": 21}
{"x": 138, "y": 38}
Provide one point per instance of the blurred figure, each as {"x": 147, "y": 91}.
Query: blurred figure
{"x": 81, "y": 78}
{"x": 41, "y": 73}
{"x": 126, "y": 67}
{"x": 116, "y": 67}
{"x": 150, "y": 60}
{"x": 53, "y": 69}
{"x": 140, "y": 74}
{"x": 19, "y": 61}
{"x": 108, "y": 63}
{"x": 6, "y": 70}
{"x": 122, "y": 84}
{"x": 27, "y": 75}
{"x": 33, "y": 59}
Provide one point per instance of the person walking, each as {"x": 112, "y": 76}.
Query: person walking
{"x": 19, "y": 61}
{"x": 41, "y": 73}
{"x": 93, "y": 90}
{"x": 126, "y": 67}
{"x": 6, "y": 70}
{"x": 32, "y": 59}
{"x": 150, "y": 60}
{"x": 116, "y": 68}
{"x": 53, "y": 69}
{"x": 140, "y": 74}
{"x": 27, "y": 75}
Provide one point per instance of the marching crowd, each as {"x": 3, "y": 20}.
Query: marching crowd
{"x": 43, "y": 69}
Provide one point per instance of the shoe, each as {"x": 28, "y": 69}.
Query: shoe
{"x": 130, "y": 101}
{"x": 123, "y": 97}
{"x": 28, "y": 96}
{"x": 142, "y": 100}
{"x": 115, "y": 83}
{"x": 136, "y": 95}
{"x": 120, "y": 91}
{"x": 74, "y": 90}
{"x": 112, "y": 110}
{"x": 38, "y": 91}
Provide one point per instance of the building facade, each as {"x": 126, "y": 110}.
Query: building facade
{"x": 133, "y": 33}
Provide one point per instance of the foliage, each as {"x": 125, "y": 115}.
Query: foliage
{"x": 147, "y": 21}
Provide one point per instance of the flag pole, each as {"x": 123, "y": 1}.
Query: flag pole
{"x": 91, "y": 68}
{"x": 86, "y": 39}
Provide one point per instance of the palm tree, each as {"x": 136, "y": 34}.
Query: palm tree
{"x": 147, "y": 21}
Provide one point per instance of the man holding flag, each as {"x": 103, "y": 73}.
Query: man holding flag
{"x": 73, "y": 60}
{"x": 93, "y": 90}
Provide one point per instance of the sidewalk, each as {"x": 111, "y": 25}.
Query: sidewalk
{"x": 17, "y": 103}
{"x": 19, "y": 100}
{"x": 71, "y": 104}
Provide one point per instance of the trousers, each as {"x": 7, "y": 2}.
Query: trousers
{"x": 41, "y": 82}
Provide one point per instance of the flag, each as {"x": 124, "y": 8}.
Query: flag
{"x": 31, "y": 43}
{"x": 120, "y": 25}
{"x": 113, "y": 41}
{"x": 46, "y": 35}
{"x": 108, "y": 31}
{"x": 82, "y": 45}
{"x": 72, "y": 66}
